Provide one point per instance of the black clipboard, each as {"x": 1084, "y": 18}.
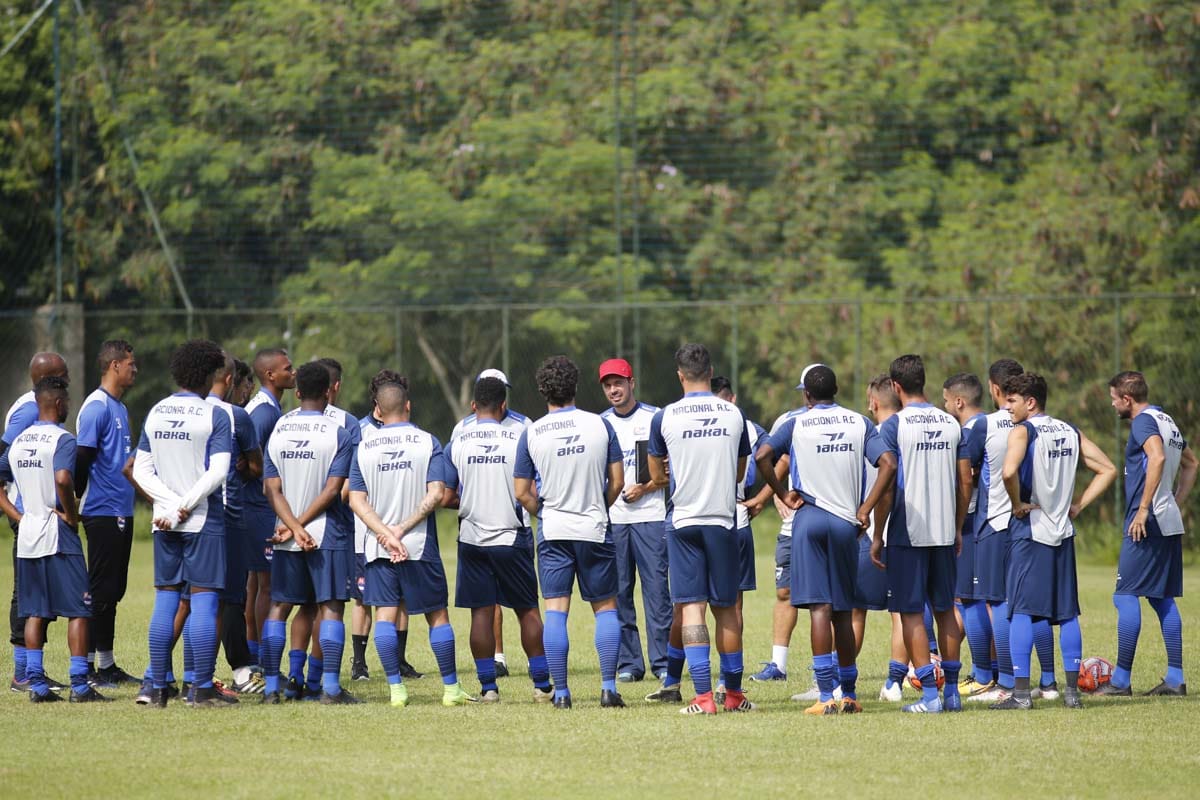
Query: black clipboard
{"x": 643, "y": 461}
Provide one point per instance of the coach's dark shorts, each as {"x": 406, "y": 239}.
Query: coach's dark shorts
{"x": 496, "y": 575}
{"x": 259, "y": 527}
{"x": 824, "y": 559}
{"x": 53, "y": 586}
{"x": 197, "y": 559}
{"x": 872, "y": 581}
{"x": 235, "y": 561}
{"x": 561, "y": 561}
{"x": 109, "y": 544}
{"x": 1041, "y": 580}
{"x": 747, "y": 580}
{"x": 420, "y": 585}
{"x": 783, "y": 562}
{"x": 919, "y": 575}
{"x": 991, "y": 565}
{"x": 704, "y": 565}
{"x": 316, "y": 576}
{"x": 1152, "y": 567}
{"x": 964, "y": 581}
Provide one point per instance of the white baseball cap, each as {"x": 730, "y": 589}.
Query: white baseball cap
{"x": 494, "y": 373}
{"x": 804, "y": 374}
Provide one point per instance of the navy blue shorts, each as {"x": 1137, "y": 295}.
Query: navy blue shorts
{"x": 498, "y": 575}
{"x": 235, "y": 561}
{"x": 783, "y": 562}
{"x": 420, "y": 585}
{"x": 359, "y": 577}
{"x": 824, "y": 559}
{"x": 747, "y": 581}
{"x": 561, "y": 561}
{"x": 197, "y": 559}
{"x": 259, "y": 527}
{"x": 318, "y": 576}
{"x": 704, "y": 565}
{"x": 1152, "y": 567}
{"x": 920, "y": 575}
{"x": 872, "y": 581}
{"x": 53, "y": 586}
{"x": 964, "y": 581}
{"x": 1041, "y": 580}
{"x": 991, "y": 565}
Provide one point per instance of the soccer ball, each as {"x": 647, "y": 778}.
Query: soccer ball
{"x": 934, "y": 659}
{"x": 1094, "y": 672}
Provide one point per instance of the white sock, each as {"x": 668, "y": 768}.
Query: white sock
{"x": 500, "y": 659}
{"x": 241, "y": 675}
{"x": 779, "y": 654}
{"x": 104, "y": 659}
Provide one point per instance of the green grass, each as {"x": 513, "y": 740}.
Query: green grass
{"x": 517, "y": 749}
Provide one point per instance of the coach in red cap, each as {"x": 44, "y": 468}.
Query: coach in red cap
{"x": 638, "y": 531}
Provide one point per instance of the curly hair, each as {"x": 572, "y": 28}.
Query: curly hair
{"x": 194, "y": 363}
{"x": 557, "y": 379}
{"x": 1028, "y": 384}
{"x": 385, "y": 376}
{"x": 312, "y": 380}
{"x": 490, "y": 393}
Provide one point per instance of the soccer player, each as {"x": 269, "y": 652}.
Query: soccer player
{"x": 722, "y": 387}
{"x": 103, "y": 445}
{"x": 304, "y": 467}
{"x": 638, "y": 535}
{"x": 1160, "y": 470}
{"x": 246, "y": 464}
{"x": 882, "y": 403}
{"x": 924, "y": 528}
{"x": 21, "y": 414}
{"x": 705, "y": 440}
{"x": 519, "y": 422}
{"x": 1039, "y": 474}
{"x": 276, "y": 375}
{"x": 495, "y": 546}
{"x": 572, "y": 454}
{"x": 827, "y": 448}
{"x": 182, "y": 461}
{"x": 962, "y": 397}
{"x": 396, "y": 483}
{"x": 243, "y": 384}
{"x": 53, "y": 577}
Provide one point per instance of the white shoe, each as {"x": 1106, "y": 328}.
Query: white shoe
{"x": 490, "y": 696}
{"x": 892, "y": 695}
{"x": 543, "y": 695}
{"x": 991, "y": 696}
{"x": 814, "y": 694}
{"x": 1045, "y": 692}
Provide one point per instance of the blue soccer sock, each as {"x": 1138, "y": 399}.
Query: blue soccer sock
{"x": 676, "y": 658}
{"x": 162, "y": 635}
{"x": 950, "y": 671}
{"x": 554, "y": 639}
{"x": 608, "y": 644}
{"x": 826, "y": 671}
{"x": 35, "y": 673}
{"x": 485, "y": 670}
{"x": 848, "y": 676}
{"x": 929, "y": 632}
{"x": 1021, "y": 643}
{"x": 732, "y": 669}
{"x": 388, "y": 648}
{"x": 1043, "y": 642}
{"x": 204, "y": 637}
{"x": 979, "y": 638}
{"x": 1171, "y": 623}
{"x": 1070, "y": 640}
{"x": 20, "y": 662}
{"x": 441, "y": 640}
{"x": 253, "y": 645}
{"x": 189, "y": 655}
{"x": 296, "y": 659}
{"x": 539, "y": 672}
{"x": 897, "y": 672}
{"x": 333, "y": 643}
{"x": 697, "y": 661}
{"x": 1129, "y": 626}
{"x": 271, "y": 650}
{"x": 316, "y": 673}
{"x": 1000, "y": 626}
{"x": 929, "y": 688}
{"x": 79, "y": 674}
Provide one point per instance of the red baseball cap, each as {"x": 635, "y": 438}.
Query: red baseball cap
{"x": 616, "y": 366}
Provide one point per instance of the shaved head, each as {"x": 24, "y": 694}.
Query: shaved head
{"x": 391, "y": 399}
{"x": 45, "y": 365}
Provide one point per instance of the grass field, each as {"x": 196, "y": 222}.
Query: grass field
{"x": 1113, "y": 748}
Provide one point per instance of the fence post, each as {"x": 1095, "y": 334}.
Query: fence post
{"x": 504, "y": 334}
{"x": 1119, "y": 489}
{"x": 859, "y": 378}
{"x": 398, "y": 342}
{"x": 734, "y": 361}
{"x": 987, "y": 332}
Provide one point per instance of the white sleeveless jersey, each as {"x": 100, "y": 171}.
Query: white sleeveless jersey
{"x": 480, "y": 463}
{"x": 632, "y": 428}
{"x": 927, "y": 443}
{"x": 30, "y": 463}
{"x": 1047, "y": 478}
{"x": 305, "y": 450}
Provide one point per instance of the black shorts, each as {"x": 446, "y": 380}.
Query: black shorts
{"x": 109, "y": 542}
